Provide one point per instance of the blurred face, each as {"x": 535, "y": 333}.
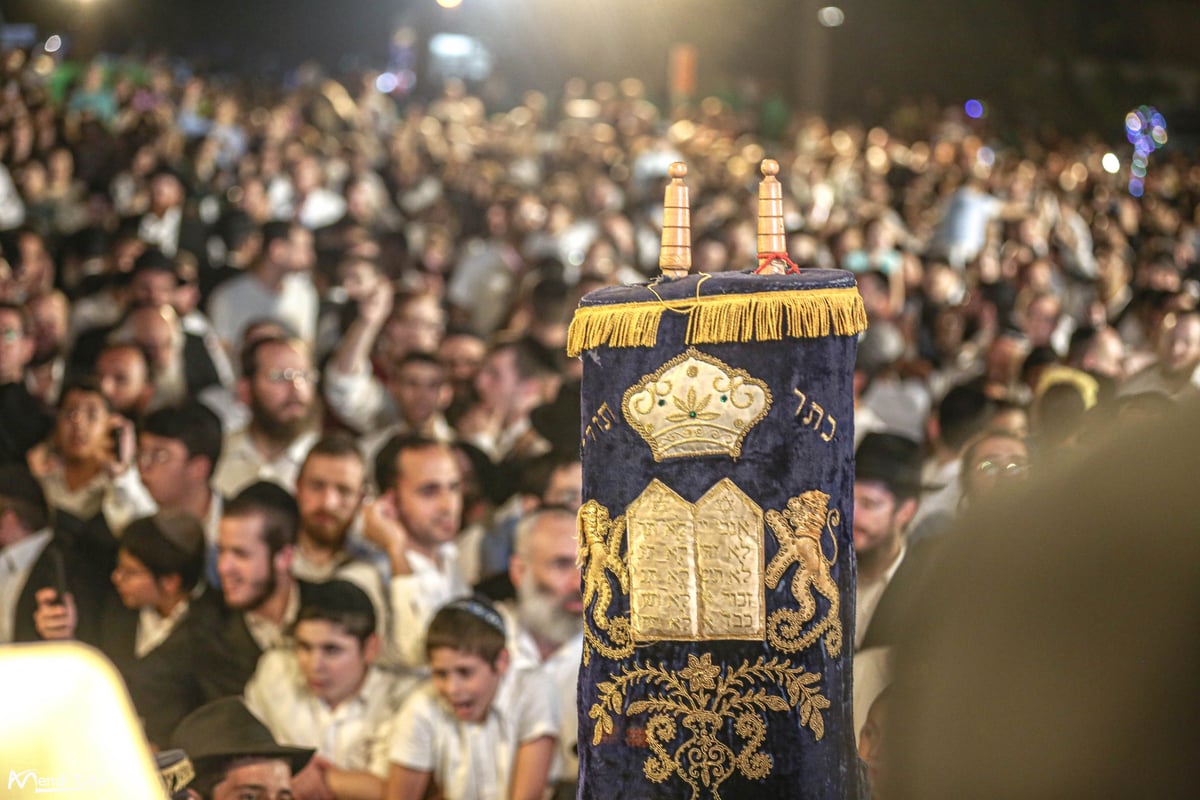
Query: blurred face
{"x": 153, "y": 287}
{"x": 134, "y": 583}
{"x": 420, "y": 391}
{"x": 165, "y": 192}
{"x": 256, "y": 779}
{"x": 82, "y": 426}
{"x": 465, "y": 681}
{"x": 1180, "y": 349}
{"x": 498, "y": 381}
{"x": 547, "y": 579}
{"x": 302, "y": 256}
{"x": 333, "y": 662}
{"x": 48, "y": 315}
{"x": 165, "y": 469}
{"x": 121, "y": 372}
{"x": 244, "y": 563}
{"x": 16, "y": 348}
{"x": 417, "y": 326}
{"x": 878, "y": 517}
{"x": 155, "y": 333}
{"x": 462, "y": 356}
{"x": 282, "y": 391}
{"x": 329, "y": 492}
{"x": 429, "y": 496}
{"x": 994, "y": 461}
{"x": 1041, "y": 320}
{"x": 1106, "y": 356}
{"x": 565, "y": 487}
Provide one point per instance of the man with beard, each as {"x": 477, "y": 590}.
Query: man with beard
{"x": 254, "y": 557}
{"x": 279, "y": 386}
{"x": 329, "y": 494}
{"x": 123, "y": 372}
{"x": 415, "y": 522}
{"x": 546, "y": 622}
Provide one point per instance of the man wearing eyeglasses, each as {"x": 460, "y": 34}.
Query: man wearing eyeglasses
{"x": 279, "y": 386}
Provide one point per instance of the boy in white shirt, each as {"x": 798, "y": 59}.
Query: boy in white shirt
{"x": 477, "y": 730}
{"x": 326, "y": 692}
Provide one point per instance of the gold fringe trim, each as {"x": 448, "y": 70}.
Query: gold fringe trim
{"x": 719, "y": 319}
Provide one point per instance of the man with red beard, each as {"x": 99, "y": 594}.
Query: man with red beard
{"x": 329, "y": 494}
{"x": 279, "y": 385}
{"x": 546, "y": 622}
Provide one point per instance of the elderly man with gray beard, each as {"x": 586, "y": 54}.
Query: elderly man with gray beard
{"x": 545, "y": 622}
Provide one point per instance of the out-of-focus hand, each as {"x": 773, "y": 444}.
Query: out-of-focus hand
{"x": 42, "y": 460}
{"x": 54, "y": 618}
{"x": 121, "y": 445}
{"x": 382, "y": 525}
{"x": 310, "y": 783}
{"x": 376, "y": 306}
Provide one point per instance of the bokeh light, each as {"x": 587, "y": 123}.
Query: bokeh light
{"x": 1111, "y": 164}
{"x": 53, "y": 43}
{"x": 831, "y": 16}
{"x": 973, "y": 109}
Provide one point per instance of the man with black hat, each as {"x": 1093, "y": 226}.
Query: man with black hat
{"x": 235, "y": 755}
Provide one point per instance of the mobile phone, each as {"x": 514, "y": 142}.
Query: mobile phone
{"x": 59, "y": 575}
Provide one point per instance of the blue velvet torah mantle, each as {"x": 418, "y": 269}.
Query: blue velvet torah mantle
{"x": 715, "y": 537}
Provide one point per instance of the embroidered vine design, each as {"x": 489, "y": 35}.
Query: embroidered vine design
{"x": 703, "y": 698}
{"x": 599, "y": 553}
{"x": 798, "y": 530}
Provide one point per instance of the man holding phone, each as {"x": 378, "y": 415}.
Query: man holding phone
{"x": 32, "y": 558}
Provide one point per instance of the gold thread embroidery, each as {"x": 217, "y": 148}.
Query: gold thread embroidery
{"x": 696, "y": 571}
{"x": 722, "y": 318}
{"x": 702, "y": 697}
{"x": 798, "y": 530}
{"x": 696, "y": 405}
{"x": 599, "y": 553}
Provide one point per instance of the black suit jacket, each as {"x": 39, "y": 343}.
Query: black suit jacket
{"x": 87, "y": 585}
{"x": 164, "y": 684}
{"x": 226, "y": 654}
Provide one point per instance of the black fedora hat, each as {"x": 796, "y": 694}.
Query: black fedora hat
{"x": 225, "y": 729}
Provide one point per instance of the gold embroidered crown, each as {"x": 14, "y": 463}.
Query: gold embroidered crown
{"x": 696, "y": 405}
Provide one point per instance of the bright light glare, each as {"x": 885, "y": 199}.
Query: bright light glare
{"x": 386, "y": 83}
{"x": 449, "y": 3}
{"x": 831, "y": 16}
{"x": 1111, "y": 164}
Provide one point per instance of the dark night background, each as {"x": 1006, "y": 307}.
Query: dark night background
{"x": 1071, "y": 63}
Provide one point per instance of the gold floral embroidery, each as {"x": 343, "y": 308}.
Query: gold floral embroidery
{"x": 696, "y": 405}
{"x": 702, "y": 697}
{"x": 798, "y": 530}
{"x": 599, "y": 553}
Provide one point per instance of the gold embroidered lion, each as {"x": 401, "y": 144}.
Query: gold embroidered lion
{"x": 599, "y": 552}
{"x": 798, "y": 530}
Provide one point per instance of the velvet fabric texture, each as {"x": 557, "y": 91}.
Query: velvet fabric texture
{"x": 690, "y": 725}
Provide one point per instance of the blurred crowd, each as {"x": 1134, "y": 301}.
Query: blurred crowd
{"x": 256, "y": 340}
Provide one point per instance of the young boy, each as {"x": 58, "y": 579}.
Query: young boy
{"x": 326, "y": 693}
{"x": 477, "y": 730}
